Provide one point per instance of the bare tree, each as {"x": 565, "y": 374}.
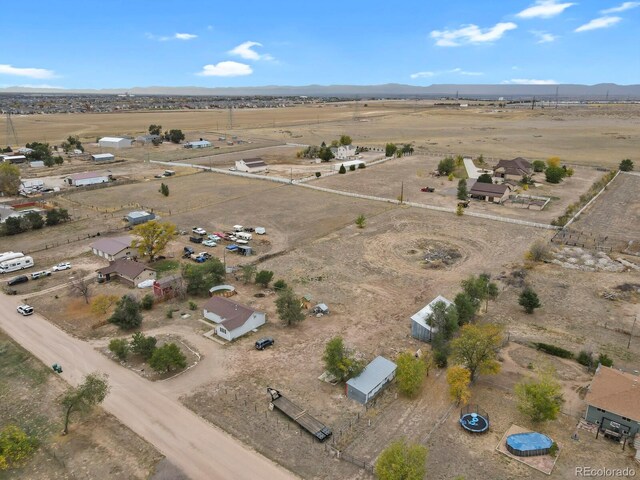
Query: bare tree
{"x": 81, "y": 286}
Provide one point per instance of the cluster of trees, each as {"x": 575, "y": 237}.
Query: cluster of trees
{"x": 34, "y": 221}
{"x": 15, "y": 446}
{"x": 127, "y": 314}
{"x": 446, "y": 166}
{"x": 42, "y": 151}
{"x": 340, "y": 361}
{"x": 323, "y": 152}
{"x": 72, "y": 143}
{"x": 200, "y": 277}
{"x": 626, "y": 165}
{"x": 9, "y": 179}
{"x": 554, "y": 172}
{"x": 391, "y": 149}
{"x": 402, "y": 461}
{"x": 165, "y": 358}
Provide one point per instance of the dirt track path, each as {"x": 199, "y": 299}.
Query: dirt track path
{"x": 198, "y": 448}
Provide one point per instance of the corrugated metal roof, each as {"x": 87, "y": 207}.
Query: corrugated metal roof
{"x": 111, "y": 139}
{"x": 86, "y": 175}
{"x": 374, "y": 373}
{"x": 113, "y": 245}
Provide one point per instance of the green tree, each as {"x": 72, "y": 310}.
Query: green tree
{"x": 476, "y": 288}
{"x": 465, "y": 307}
{"x": 248, "y": 272}
{"x": 554, "y": 174}
{"x": 361, "y": 221}
{"x": 119, "y": 347}
{"x": 127, "y": 313}
{"x": 280, "y": 285}
{"x": 15, "y": 446}
{"x": 49, "y": 162}
{"x": 410, "y": 374}
{"x": 477, "y": 348}
{"x": 345, "y": 140}
{"x": 155, "y": 129}
{"x": 289, "y": 307}
{"x": 540, "y": 399}
{"x": 9, "y": 179}
{"x": 167, "y": 357}
{"x": 143, "y": 345}
{"x": 342, "y": 170}
{"x": 538, "y": 166}
{"x": 485, "y": 178}
{"x": 407, "y": 149}
{"x": 175, "y": 136}
{"x": 40, "y": 151}
{"x": 56, "y": 216}
{"x": 325, "y": 154}
{"x": 13, "y": 226}
{"x": 626, "y": 165}
{"x": 200, "y": 277}
{"x": 91, "y": 392}
{"x": 446, "y": 166}
{"x": 443, "y": 319}
{"x": 340, "y": 361}
{"x": 463, "y": 193}
{"x": 101, "y": 304}
{"x": 264, "y": 277}
{"x": 147, "y": 301}
{"x": 152, "y": 237}
{"x": 35, "y": 220}
{"x": 390, "y": 149}
{"x": 605, "y": 360}
{"x": 459, "y": 379}
{"x": 529, "y": 300}
{"x": 164, "y": 189}
{"x": 402, "y": 461}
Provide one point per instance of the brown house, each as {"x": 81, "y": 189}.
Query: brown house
{"x": 129, "y": 272}
{"x": 490, "y": 192}
{"x": 512, "y": 169}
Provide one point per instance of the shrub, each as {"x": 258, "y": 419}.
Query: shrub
{"x": 553, "y": 450}
{"x": 352, "y": 168}
{"x": 605, "y": 360}
{"x": 143, "y": 345}
{"x": 553, "y": 350}
{"x": 147, "y": 302}
{"x": 279, "y": 285}
{"x": 169, "y": 313}
{"x": 446, "y": 166}
{"x": 585, "y": 358}
{"x": 539, "y": 251}
{"x": 264, "y": 277}
{"x": 626, "y": 165}
{"x": 120, "y": 348}
{"x": 538, "y": 166}
{"x": 193, "y": 305}
{"x": 318, "y": 174}
{"x": 342, "y": 169}
{"x": 362, "y": 165}
{"x": 529, "y": 300}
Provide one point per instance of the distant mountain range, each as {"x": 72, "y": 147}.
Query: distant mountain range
{"x": 389, "y": 90}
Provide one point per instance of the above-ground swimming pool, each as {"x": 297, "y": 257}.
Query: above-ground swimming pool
{"x": 529, "y": 444}
{"x": 474, "y": 419}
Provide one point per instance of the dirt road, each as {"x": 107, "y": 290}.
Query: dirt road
{"x": 198, "y": 448}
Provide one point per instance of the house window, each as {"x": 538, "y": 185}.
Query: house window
{"x": 222, "y": 329}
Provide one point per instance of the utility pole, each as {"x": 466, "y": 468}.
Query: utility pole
{"x": 401, "y": 192}
{"x": 631, "y": 332}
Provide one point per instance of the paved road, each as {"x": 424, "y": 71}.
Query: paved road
{"x": 201, "y": 450}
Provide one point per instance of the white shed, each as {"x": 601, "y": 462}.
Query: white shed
{"x": 103, "y": 157}
{"x": 87, "y": 178}
{"x": 115, "y": 142}
{"x": 251, "y": 165}
{"x": 420, "y": 329}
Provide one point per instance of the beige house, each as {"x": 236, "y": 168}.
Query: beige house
{"x": 128, "y": 272}
{"x": 113, "y": 248}
{"x": 490, "y": 192}
{"x": 512, "y": 169}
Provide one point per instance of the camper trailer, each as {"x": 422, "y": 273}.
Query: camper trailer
{"x": 6, "y": 256}
{"x": 16, "y": 264}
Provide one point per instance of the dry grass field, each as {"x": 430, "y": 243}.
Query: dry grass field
{"x": 375, "y": 278}
{"x": 585, "y": 135}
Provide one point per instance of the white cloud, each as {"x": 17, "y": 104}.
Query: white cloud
{"x": 529, "y": 81}
{"x": 226, "y": 69}
{"x": 26, "y": 72}
{"x": 245, "y": 50}
{"x": 39, "y": 85}
{"x": 621, "y": 8}
{"x": 458, "y": 71}
{"x": 544, "y": 37}
{"x": 544, "y": 9}
{"x": 601, "y": 22}
{"x": 175, "y": 36}
{"x": 471, "y": 34}
{"x": 185, "y": 36}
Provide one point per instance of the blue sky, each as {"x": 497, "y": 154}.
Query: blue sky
{"x": 125, "y": 43}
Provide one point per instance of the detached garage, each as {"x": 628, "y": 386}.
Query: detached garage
{"x": 115, "y": 142}
{"x": 372, "y": 379}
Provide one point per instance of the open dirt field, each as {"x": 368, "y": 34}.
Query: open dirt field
{"x": 97, "y": 447}
{"x": 577, "y": 134}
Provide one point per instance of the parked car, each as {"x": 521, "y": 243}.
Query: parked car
{"x": 188, "y": 251}
{"x": 209, "y": 243}
{"x": 231, "y": 247}
{"x": 195, "y": 239}
{"x": 199, "y": 231}
{"x": 264, "y": 343}
{"x": 17, "y": 280}
{"x": 61, "y": 266}
{"x": 25, "y": 310}
{"x": 205, "y": 255}
{"x": 44, "y": 273}
{"x": 214, "y": 237}
{"x": 261, "y": 230}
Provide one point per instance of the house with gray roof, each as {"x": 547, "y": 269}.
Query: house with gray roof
{"x": 371, "y": 381}
{"x": 233, "y": 319}
{"x": 127, "y": 271}
{"x": 513, "y": 169}
{"x": 113, "y": 248}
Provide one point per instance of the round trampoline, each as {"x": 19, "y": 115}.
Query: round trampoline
{"x": 473, "y": 419}
{"x": 529, "y": 444}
